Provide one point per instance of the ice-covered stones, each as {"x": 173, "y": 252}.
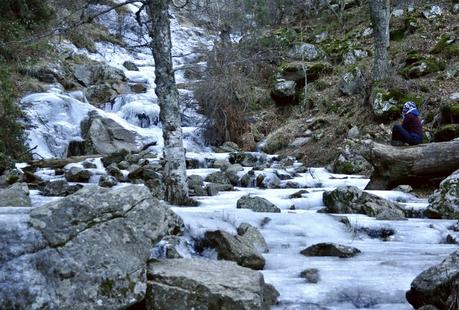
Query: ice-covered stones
{"x": 330, "y": 249}
{"x": 444, "y": 203}
{"x": 257, "y": 204}
{"x": 350, "y": 199}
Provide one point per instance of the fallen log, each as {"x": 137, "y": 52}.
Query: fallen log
{"x": 413, "y": 165}
{"x": 58, "y": 163}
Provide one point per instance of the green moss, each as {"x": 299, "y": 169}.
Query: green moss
{"x": 397, "y": 35}
{"x": 450, "y": 114}
{"x": 417, "y": 66}
{"x": 441, "y": 44}
{"x": 106, "y": 287}
{"x": 451, "y": 50}
{"x": 446, "y": 133}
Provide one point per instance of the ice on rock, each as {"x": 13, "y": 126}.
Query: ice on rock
{"x": 54, "y": 121}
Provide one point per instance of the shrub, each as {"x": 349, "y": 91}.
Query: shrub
{"x": 12, "y": 139}
{"x": 19, "y": 22}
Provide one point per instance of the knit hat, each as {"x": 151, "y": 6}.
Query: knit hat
{"x": 410, "y": 108}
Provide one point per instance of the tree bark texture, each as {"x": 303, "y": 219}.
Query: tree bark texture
{"x": 413, "y": 165}
{"x": 380, "y": 18}
{"x": 166, "y": 90}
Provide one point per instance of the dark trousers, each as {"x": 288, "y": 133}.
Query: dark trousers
{"x": 401, "y": 134}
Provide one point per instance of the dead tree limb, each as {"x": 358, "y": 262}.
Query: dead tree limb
{"x": 413, "y": 165}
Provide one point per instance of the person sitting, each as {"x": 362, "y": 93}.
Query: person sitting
{"x": 410, "y": 131}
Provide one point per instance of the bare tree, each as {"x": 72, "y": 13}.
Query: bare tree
{"x": 380, "y": 18}
{"x": 166, "y": 90}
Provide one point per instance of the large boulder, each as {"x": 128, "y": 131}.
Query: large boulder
{"x": 183, "y": 284}
{"x": 350, "y": 199}
{"x": 352, "y": 82}
{"x": 218, "y": 177}
{"x": 283, "y": 91}
{"x": 59, "y": 188}
{"x": 234, "y": 248}
{"x": 90, "y": 74}
{"x": 17, "y": 195}
{"x": 306, "y": 52}
{"x": 77, "y": 174}
{"x": 350, "y": 161}
{"x": 444, "y": 202}
{"x": 103, "y": 135}
{"x": 437, "y": 285}
{"x": 86, "y": 251}
{"x": 257, "y": 204}
{"x": 252, "y": 235}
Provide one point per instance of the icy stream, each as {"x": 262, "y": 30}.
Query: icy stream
{"x": 375, "y": 279}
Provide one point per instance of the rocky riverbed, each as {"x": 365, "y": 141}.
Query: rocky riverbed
{"x": 91, "y": 232}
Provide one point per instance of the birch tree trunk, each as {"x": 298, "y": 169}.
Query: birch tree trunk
{"x": 380, "y": 18}
{"x": 166, "y": 90}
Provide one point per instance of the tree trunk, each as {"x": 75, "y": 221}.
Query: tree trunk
{"x": 380, "y": 18}
{"x": 413, "y": 165}
{"x": 166, "y": 90}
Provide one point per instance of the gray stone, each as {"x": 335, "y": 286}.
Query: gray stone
{"x": 230, "y": 147}
{"x": 252, "y": 235}
{"x": 213, "y": 188}
{"x": 455, "y": 9}
{"x": 403, "y": 189}
{"x": 59, "y": 188}
{"x": 234, "y": 248}
{"x": 98, "y": 95}
{"x": 444, "y": 202}
{"x": 17, "y": 195}
{"x": 171, "y": 247}
{"x": 77, "y": 174}
{"x": 139, "y": 88}
{"x": 350, "y": 199}
{"x": 115, "y": 172}
{"x": 352, "y": 82}
{"x": 218, "y": 177}
{"x": 257, "y": 204}
{"x": 307, "y": 52}
{"x": 123, "y": 165}
{"x": 310, "y": 275}
{"x": 196, "y": 185}
{"x": 89, "y": 165}
{"x": 91, "y": 74}
{"x": 437, "y": 286}
{"x": 105, "y": 136}
{"x": 131, "y": 66}
{"x": 86, "y": 251}
{"x": 183, "y": 284}
{"x": 434, "y": 12}
{"x": 232, "y": 173}
{"x": 247, "y": 159}
{"x": 107, "y": 181}
{"x": 353, "y": 133}
{"x": 330, "y": 249}
{"x": 351, "y": 162}
{"x": 114, "y": 157}
{"x": 268, "y": 180}
{"x": 283, "y": 91}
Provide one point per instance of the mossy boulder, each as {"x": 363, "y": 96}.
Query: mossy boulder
{"x": 388, "y": 103}
{"x": 444, "y": 203}
{"x": 450, "y": 114}
{"x": 295, "y": 71}
{"x": 447, "y": 46}
{"x": 283, "y": 92}
{"x": 417, "y": 66}
{"x": 446, "y": 133}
